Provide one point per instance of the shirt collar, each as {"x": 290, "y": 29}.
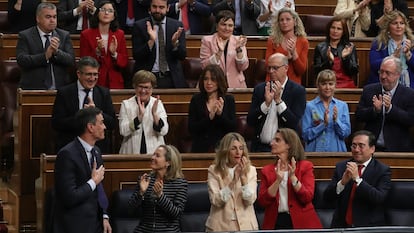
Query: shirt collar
{"x": 85, "y": 145}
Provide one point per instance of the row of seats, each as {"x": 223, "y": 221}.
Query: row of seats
{"x": 400, "y": 208}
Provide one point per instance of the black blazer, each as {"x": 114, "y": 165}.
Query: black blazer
{"x": 207, "y": 133}
{"x": 370, "y": 195}
{"x": 397, "y": 122}
{"x": 145, "y": 57}
{"x": 197, "y": 14}
{"x": 76, "y": 206}
{"x": 294, "y": 95}
{"x": 67, "y": 105}
{"x": 31, "y": 58}
{"x": 66, "y": 20}
{"x": 23, "y": 19}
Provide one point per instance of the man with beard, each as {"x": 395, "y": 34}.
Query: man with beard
{"x": 158, "y": 44}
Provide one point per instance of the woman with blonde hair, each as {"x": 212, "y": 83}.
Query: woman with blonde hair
{"x": 162, "y": 193}
{"x": 288, "y": 36}
{"x": 326, "y": 123}
{"x": 396, "y": 39}
{"x": 287, "y": 186}
{"x": 232, "y": 183}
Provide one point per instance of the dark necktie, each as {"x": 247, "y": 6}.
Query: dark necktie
{"x": 84, "y": 18}
{"x": 49, "y": 78}
{"x": 130, "y": 12}
{"x": 162, "y": 61}
{"x": 86, "y": 100}
{"x": 102, "y": 198}
{"x": 348, "y": 217}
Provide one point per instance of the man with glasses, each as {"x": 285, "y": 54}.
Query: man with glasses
{"x": 82, "y": 94}
{"x": 44, "y": 52}
{"x": 387, "y": 109}
{"x": 279, "y": 103}
{"x": 360, "y": 186}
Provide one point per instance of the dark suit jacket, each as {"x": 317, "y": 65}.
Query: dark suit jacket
{"x": 207, "y": 133}
{"x": 23, "y": 19}
{"x": 370, "y": 195}
{"x": 145, "y": 57}
{"x": 196, "y": 14}
{"x": 294, "y": 95}
{"x": 67, "y": 105}
{"x": 249, "y": 14}
{"x": 31, "y": 58}
{"x": 76, "y": 207}
{"x": 397, "y": 122}
{"x": 141, "y": 9}
{"x": 66, "y": 20}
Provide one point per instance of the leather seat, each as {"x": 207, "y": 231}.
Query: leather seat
{"x": 192, "y": 70}
{"x": 4, "y": 22}
{"x": 315, "y": 25}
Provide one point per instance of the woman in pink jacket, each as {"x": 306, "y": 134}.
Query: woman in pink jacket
{"x": 106, "y": 43}
{"x": 287, "y": 186}
{"x": 226, "y": 50}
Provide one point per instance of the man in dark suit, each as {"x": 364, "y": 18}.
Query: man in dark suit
{"x": 279, "y": 103}
{"x": 147, "y": 50}
{"x": 82, "y": 94}
{"x": 44, "y": 52}
{"x": 80, "y": 202}
{"x": 71, "y": 14}
{"x": 360, "y": 185}
{"x": 197, "y": 11}
{"x": 248, "y": 12}
{"x": 387, "y": 108}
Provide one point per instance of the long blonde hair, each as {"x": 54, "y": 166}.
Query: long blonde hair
{"x": 276, "y": 35}
{"x": 223, "y": 152}
{"x": 384, "y": 24}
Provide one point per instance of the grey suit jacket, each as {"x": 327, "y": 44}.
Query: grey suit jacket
{"x": 32, "y": 61}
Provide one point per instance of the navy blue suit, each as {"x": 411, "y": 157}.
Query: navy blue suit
{"x": 141, "y": 8}
{"x": 294, "y": 95}
{"x": 145, "y": 57}
{"x": 397, "y": 122}
{"x": 370, "y": 195}
{"x": 76, "y": 207}
{"x": 67, "y": 105}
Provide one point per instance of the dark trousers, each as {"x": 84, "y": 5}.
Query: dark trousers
{"x": 164, "y": 80}
{"x": 283, "y": 221}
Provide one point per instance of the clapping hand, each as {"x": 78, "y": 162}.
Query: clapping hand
{"x": 347, "y": 50}
{"x": 158, "y": 186}
{"x": 291, "y": 47}
{"x": 90, "y": 103}
{"x": 141, "y": 109}
{"x": 143, "y": 183}
{"x": 113, "y": 46}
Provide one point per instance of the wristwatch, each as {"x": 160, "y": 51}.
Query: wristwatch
{"x": 358, "y": 180}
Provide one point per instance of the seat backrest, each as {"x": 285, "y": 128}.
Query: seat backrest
{"x": 259, "y": 72}
{"x": 324, "y": 209}
{"x": 9, "y": 81}
{"x": 196, "y": 209}
{"x": 400, "y": 204}
{"x": 4, "y": 22}
{"x": 316, "y": 24}
{"x": 192, "y": 70}
{"x": 124, "y": 219}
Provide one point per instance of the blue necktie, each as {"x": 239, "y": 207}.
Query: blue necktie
{"x": 102, "y": 198}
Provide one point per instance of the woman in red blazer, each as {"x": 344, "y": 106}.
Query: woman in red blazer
{"x": 287, "y": 186}
{"x": 106, "y": 43}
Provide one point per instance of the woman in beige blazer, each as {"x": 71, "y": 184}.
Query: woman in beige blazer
{"x": 226, "y": 50}
{"x": 232, "y": 183}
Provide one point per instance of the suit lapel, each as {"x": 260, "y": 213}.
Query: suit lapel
{"x": 37, "y": 40}
{"x": 83, "y": 155}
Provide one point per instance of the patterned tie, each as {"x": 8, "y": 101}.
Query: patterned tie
{"x": 49, "y": 78}
{"x": 162, "y": 61}
{"x": 102, "y": 198}
{"x": 86, "y": 100}
{"x": 348, "y": 217}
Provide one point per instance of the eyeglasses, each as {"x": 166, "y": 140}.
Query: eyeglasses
{"x": 274, "y": 68}
{"x": 358, "y": 145}
{"x": 386, "y": 72}
{"x": 90, "y": 74}
{"x": 107, "y": 11}
{"x": 144, "y": 88}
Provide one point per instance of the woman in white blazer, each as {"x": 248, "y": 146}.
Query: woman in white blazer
{"x": 142, "y": 118}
